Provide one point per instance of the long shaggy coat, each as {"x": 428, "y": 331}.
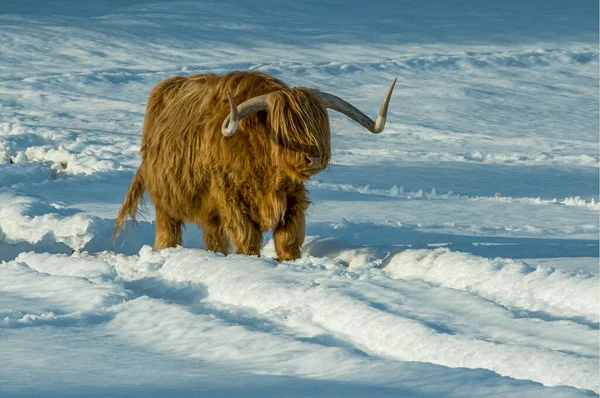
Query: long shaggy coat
{"x": 235, "y": 188}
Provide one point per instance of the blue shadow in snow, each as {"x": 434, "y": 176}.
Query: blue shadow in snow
{"x": 389, "y": 238}
{"x": 472, "y": 179}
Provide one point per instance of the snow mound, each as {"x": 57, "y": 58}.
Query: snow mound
{"x": 510, "y": 283}
{"x": 24, "y": 219}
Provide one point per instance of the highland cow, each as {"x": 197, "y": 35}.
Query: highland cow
{"x": 234, "y": 170}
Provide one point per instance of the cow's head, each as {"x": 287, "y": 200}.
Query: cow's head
{"x": 300, "y": 125}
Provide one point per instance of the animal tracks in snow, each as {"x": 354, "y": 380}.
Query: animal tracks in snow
{"x": 275, "y": 317}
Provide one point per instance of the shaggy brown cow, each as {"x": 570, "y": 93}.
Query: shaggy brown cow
{"x": 235, "y": 187}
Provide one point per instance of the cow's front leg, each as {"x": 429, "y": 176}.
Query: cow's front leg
{"x": 214, "y": 235}
{"x": 289, "y": 234}
{"x": 243, "y": 232}
{"x": 248, "y": 240}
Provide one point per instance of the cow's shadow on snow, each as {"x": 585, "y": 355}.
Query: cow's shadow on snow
{"x": 327, "y": 240}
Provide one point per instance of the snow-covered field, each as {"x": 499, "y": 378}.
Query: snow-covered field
{"x": 455, "y": 254}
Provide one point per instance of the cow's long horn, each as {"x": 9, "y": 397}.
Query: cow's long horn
{"x": 340, "y": 105}
{"x": 232, "y": 120}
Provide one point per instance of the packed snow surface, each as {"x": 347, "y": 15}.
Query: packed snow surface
{"x": 454, "y": 254}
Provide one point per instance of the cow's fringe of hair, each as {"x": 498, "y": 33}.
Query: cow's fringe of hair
{"x": 300, "y": 121}
{"x": 129, "y": 209}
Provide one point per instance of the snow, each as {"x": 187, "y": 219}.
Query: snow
{"x": 454, "y": 254}
{"x": 504, "y": 281}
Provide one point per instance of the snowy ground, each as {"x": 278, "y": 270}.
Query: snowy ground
{"x": 455, "y": 254}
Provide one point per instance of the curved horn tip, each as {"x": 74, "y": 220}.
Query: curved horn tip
{"x": 381, "y": 118}
{"x": 229, "y": 127}
{"x": 230, "y": 123}
{"x": 393, "y": 85}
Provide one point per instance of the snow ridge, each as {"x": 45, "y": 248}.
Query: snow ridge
{"x": 505, "y": 281}
{"x": 380, "y": 333}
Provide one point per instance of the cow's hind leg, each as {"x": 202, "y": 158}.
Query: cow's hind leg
{"x": 168, "y": 231}
{"x": 214, "y": 235}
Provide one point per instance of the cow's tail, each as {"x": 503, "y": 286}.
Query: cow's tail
{"x": 129, "y": 208}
